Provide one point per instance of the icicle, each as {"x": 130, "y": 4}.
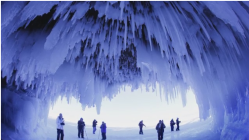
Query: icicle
{"x": 125, "y": 33}
{"x": 121, "y": 9}
{"x": 133, "y": 25}
{"x": 106, "y": 8}
{"x": 148, "y": 31}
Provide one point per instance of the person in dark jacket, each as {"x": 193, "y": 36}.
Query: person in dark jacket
{"x": 94, "y": 125}
{"x": 172, "y": 123}
{"x": 164, "y": 126}
{"x": 160, "y": 129}
{"x": 103, "y": 130}
{"x": 141, "y": 124}
{"x": 177, "y": 124}
{"x": 81, "y": 126}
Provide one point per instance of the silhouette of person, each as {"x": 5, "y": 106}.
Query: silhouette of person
{"x": 177, "y": 124}
{"x": 172, "y": 123}
{"x": 160, "y": 129}
{"x": 94, "y": 125}
{"x": 81, "y": 126}
{"x": 141, "y": 124}
{"x": 103, "y": 130}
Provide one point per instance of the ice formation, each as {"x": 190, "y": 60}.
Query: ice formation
{"x": 90, "y": 50}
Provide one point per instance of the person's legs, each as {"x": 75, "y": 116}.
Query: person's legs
{"x": 162, "y": 136}
{"x": 82, "y": 133}
{"x": 62, "y": 134}
{"x": 158, "y": 134}
{"x": 142, "y": 131}
{"x": 94, "y": 130}
{"x": 78, "y": 133}
{"x": 58, "y": 134}
{"x": 104, "y": 135}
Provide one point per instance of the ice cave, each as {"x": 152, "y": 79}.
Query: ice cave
{"x": 91, "y": 49}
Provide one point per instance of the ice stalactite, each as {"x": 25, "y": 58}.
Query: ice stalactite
{"x": 91, "y": 49}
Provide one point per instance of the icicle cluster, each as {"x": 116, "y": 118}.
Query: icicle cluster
{"x": 90, "y": 49}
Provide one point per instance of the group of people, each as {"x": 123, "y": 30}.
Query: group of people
{"x": 81, "y": 127}
{"x": 160, "y": 127}
{"x": 172, "y": 123}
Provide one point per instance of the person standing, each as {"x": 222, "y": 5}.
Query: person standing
{"x": 60, "y": 123}
{"x": 103, "y": 130}
{"x": 172, "y": 123}
{"x": 81, "y": 125}
{"x": 94, "y": 125}
{"x": 177, "y": 124}
{"x": 163, "y": 125}
{"x": 160, "y": 129}
{"x": 141, "y": 124}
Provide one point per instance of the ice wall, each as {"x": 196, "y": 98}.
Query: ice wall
{"x": 22, "y": 114}
{"x": 90, "y": 49}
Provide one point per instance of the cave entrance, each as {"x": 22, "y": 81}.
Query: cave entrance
{"x": 128, "y": 108}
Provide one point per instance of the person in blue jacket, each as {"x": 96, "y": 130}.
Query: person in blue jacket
{"x": 103, "y": 130}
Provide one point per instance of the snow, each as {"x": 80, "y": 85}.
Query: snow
{"x": 90, "y": 50}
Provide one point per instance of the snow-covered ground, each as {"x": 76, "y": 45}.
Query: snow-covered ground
{"x": 191, "y": 131}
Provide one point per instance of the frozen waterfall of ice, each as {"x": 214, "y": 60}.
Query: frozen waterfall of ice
{"x": 89, "y": 50}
